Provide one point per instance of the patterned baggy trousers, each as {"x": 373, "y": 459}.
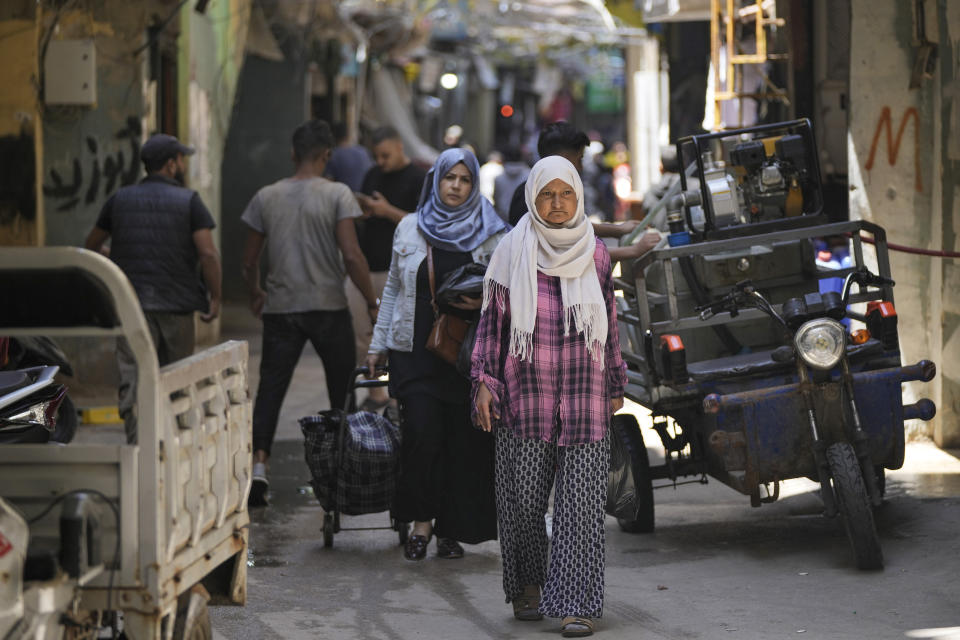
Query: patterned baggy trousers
{"x": 569, "y": 567}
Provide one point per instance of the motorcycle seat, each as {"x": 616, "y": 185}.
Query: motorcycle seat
{"x": 10, "y": 381}
{"x": 742, "y": 364}
{"x": 762, "y": 363}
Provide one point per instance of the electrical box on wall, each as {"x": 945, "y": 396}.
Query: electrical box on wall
{"x": 70, "y": 73}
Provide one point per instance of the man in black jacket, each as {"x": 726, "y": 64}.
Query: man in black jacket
{"x": 160, "y": 232}
{"x": 564, "y": 140}
{"x": 390, "y": 191}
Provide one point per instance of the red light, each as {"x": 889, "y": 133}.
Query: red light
{"x": 506, "y": 111}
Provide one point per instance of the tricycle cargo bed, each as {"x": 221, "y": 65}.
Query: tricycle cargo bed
{"x": 181, "y": 490}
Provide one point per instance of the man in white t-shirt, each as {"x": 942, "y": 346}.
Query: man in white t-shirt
{"x": 306, "y": 225}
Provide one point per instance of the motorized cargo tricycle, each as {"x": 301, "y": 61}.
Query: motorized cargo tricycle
{"x": 133, "y": 537}
{"x": 758, "y": 362}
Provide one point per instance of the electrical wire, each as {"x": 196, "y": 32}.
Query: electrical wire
{"x": 116, "y": 549}
{"x": 159, "y": 29}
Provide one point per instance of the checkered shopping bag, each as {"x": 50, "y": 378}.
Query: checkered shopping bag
{"x": 366, "y": 479}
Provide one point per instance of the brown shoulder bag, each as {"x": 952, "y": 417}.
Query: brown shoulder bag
{"x": 449, "y": 331}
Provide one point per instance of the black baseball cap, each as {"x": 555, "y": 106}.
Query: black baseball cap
{"x": 161, "y": 146}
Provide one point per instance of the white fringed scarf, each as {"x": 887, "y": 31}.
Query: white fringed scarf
{"x": 567, "y": 252}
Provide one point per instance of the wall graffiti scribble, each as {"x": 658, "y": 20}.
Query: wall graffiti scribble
{"x": 885, "y": 124}
{"x": 115, "y": 172}
{"x": 17, "y": 180}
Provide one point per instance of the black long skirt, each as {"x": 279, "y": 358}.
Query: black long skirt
{"x": 446, "y": 470}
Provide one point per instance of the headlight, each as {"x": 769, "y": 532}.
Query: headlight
{"x": 820, "y": 343}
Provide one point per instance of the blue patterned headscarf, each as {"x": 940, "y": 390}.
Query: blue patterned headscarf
{"x": 464, "y": 227}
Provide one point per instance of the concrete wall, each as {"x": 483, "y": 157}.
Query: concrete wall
{"x": 21, "y": 217}
{"x": 947, "y": 431}
{"x": 271, "y": 102}
{"x": 211, "y": 55}
{"x": 904, "y": 165}
{"x": 90, "y": 152}
{"x": 83, "y": 154}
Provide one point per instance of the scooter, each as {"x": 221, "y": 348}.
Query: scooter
{"x": 31, "y": 353}
{"x": 29, "y": 402}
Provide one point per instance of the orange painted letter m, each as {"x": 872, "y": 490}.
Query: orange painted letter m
{"x": 893, "y": 144}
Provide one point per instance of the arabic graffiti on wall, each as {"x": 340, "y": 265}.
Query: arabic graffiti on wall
{"x": 104, "y": 173}
{"x": 885, "y": 124}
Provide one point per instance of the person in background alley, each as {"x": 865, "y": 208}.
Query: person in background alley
{"x": 547, "y": 376}
{"x": 515, "y": 172}
{"x": 306, "y": 223}
{"x": 566, "y": 141}
{"x": 669, "y": 177}
{"x": 446, "y": 478}
{"x": 453, "y": 137}
{"x": 489, "y": 171}
{"x": 556, "y": 139}
{"x": 160, "y": 233}
{"x": 390, "y": 191}
{"x": 349, "y": 162}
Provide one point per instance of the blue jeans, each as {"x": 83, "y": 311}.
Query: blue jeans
{"x": 284, "y": 335}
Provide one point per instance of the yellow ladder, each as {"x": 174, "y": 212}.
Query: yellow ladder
{"x": 729, "y": 27}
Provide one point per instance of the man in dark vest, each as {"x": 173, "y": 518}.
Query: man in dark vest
{"x": 160, "y": 233}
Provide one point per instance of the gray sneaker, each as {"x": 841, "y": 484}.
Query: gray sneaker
{"x": 258, "y": 486}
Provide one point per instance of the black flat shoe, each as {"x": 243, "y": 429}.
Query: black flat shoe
{"x": 449, "y": 548}
{"x": 416, "y": 547}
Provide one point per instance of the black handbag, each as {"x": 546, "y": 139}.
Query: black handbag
{"x": 466, "y": 280}
{"x": 452, "y": 338}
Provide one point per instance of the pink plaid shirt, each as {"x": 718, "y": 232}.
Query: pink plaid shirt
{"x": 560, "y": 394}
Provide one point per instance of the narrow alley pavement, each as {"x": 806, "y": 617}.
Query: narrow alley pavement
{"x": 715, "y": 568}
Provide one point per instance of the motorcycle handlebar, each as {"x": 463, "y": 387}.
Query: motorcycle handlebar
{"x": 734, "y": 299}
{"x": 741, "y": 295}
{"x": 863, "y": 278}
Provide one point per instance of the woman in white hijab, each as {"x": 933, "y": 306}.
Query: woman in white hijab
{"x": 547, "y": 375}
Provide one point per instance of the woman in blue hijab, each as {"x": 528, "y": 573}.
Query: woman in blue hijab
{"x": 446, "y": 479}
{"x": 466, "y": 219}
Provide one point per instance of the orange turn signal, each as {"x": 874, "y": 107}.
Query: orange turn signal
{"x": 672, "y": 342}
{"x": 860, "y": 336}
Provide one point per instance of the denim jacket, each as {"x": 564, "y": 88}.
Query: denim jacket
{"x": 394, "y": 329}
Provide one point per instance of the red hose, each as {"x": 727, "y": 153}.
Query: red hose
{"x": 915, "y": 251}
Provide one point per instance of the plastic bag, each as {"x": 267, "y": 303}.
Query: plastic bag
{"x": 629, "y": 485}
{"x": 622, "y": 499}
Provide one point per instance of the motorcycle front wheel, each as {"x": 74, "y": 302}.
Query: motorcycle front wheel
{"x": 854, "y": 505}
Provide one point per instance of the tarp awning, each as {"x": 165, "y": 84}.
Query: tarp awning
{"x": 675, "y": 10}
